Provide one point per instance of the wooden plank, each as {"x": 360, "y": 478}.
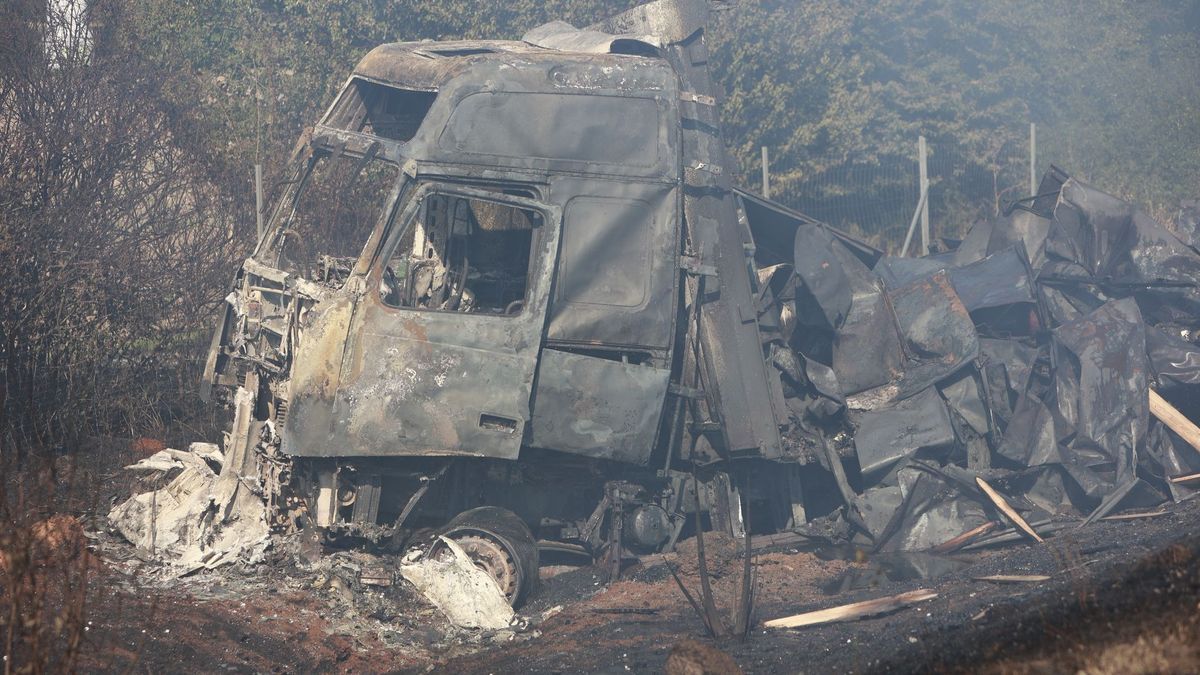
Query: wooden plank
{"x": 1014, "y": 578}
{"x": 1136, "y": 516}
{"x": 1007, "y": 510}
{"x": 1185, "y": 479}
{"x": 1175, "y": 421}
{"x": 965, "y": 538}
{"x": 858, "y": 610}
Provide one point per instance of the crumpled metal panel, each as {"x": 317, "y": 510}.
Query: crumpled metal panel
{"x": 1025, "y": 228}
{"x": 896, "y": 271}
{"x": 774, "y": 227}
{"x": 1000, "y": 279}
{"x": 935, "y": 323}
{"x": 1110, "y": 347}
{"x": 1174, "y": 361}
{"x": 886, "y": 435}
{"x": 974, "y": 246}
{"x": 1124, "y": 250}
{"x": 866, "y": 349}
{"x": 938, "y": 338}
{"x": 919, "y": 511}
{"x": 597, "y": 407}
{"x": 963, "y": 396}
{"x": 823, "y": 276}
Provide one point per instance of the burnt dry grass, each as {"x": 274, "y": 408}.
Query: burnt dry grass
{"x": 1140, "y": 620}
{"x": 1121, "y": 599}
{"x": 1124, "y": 601}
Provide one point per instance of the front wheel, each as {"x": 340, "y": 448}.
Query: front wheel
{"x": 499, "y": 543}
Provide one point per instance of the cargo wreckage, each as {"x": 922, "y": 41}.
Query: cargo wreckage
{"x": 509, "y": 294}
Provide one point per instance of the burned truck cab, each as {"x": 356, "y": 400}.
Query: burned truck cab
{"x": 468, "y": 295}
{"x": 525, "y": 268}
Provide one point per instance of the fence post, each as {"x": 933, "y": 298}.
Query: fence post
{"x": 766, "y": 175}
{"x": 924, "y": 169}
{"x": 1033, "y": 186}
{"x": 258, "y": 198}
{"x": 912, "y": 225}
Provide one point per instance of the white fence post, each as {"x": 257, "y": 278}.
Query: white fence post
{"x": 924, "y": 168}
{"x": 766, "y": 175}
{"x": 1033, "y": 186}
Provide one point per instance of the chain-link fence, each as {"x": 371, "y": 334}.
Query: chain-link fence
{"x": 877, "y": 201}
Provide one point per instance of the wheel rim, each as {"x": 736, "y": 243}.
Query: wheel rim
{"x": 493, "y": 558}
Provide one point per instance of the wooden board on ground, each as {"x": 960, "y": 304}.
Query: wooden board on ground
{"x": 1175, "y": 421}
{"x": 1137, "y": 515}
{"x": 1014, "y": 578}
{"x": 858, "y": 610}
{"x": 1007, "y": 510}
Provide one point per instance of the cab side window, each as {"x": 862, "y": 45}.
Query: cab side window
{"x": 462, "y": 255}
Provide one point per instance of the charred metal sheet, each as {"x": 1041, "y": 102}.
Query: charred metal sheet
{"x": 1032, "y": 437}
{"x": 1025, "y": 228}
{"x": 824, "y": 277}
{"x": 939, "y": 336}
{"x": 925, "y": 510}
{"x": 1175, "y": 361}
{"x": 618, "y": 265}
{"x": 896, "y": 271}
{"x": 974, "y": 246}
{"x": 597, "y": 407}
{"x": 1110, "y": 348}
{"x": 1125, "y": 250}
{"x": 887, "y": 435}
{"x": 1000, "y": 279}
{"x": 867, "y": 350}
{"x": 774, "y": 227}
{"x": 962, "y": 394}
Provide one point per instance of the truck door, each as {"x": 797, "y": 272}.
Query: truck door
{"x": 445, "y": 344}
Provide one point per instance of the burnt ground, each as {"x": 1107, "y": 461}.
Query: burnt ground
{"x": 1121, "y": 594}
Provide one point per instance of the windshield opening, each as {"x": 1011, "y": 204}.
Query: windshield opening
{"x": 462, "y": 254}
{"x": 390, "y": 112}
{"x": 337, "y": 205}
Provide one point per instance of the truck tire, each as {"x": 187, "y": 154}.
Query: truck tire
{"x": 499, "y": 543}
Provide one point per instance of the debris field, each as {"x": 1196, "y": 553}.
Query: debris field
{"x": 508, "y": 399}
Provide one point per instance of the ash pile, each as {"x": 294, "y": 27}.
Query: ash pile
{"x": 1010, "y": 384}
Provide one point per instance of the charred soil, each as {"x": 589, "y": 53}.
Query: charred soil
{"x": 1120, "y": 596}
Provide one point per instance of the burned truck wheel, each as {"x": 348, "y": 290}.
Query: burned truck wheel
{"x": 500, "y": 544}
